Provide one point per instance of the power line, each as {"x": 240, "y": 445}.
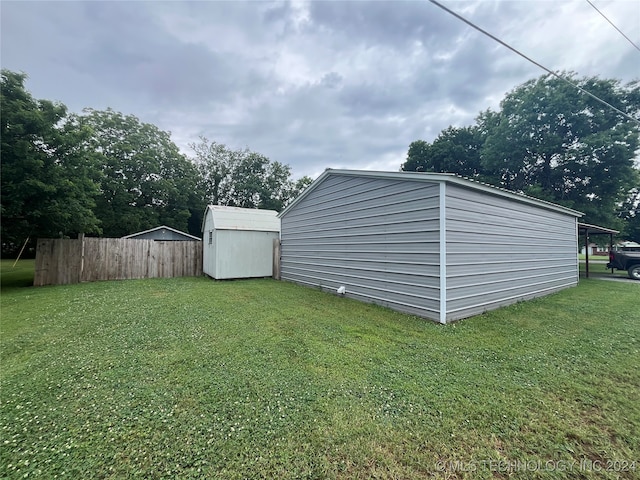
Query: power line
{"x": 493, "y": 37}
{"x": 612, "y": 24}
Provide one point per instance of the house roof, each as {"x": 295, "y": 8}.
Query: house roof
{"x": 437, "y": 178}
{"x": 236, "y": 218}
{"x": 161, "y": 227}
{"x": 629, "y": 244}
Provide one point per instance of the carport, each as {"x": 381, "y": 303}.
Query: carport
{"x": 586, "y": 230}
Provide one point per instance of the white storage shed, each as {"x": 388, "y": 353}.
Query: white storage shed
{"x": 435, "y": 245}
{"x": 238, "y": 242}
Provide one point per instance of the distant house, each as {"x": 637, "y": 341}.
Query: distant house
{"x": 163, "y": 233}
{"x": 628, "y": 245}
{"x": 595, "y": 249}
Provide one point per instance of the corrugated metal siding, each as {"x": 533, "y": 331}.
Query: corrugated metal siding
{"x": 377, "y": 237}
{"x": 501, "y": 251}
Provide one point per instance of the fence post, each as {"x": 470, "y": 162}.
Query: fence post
{"x": 81, "y": 269}
{"x": 276, "y": 258}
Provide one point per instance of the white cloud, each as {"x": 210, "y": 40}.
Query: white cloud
{"x": 311, "y": 84}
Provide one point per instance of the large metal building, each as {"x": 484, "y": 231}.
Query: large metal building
{"x": 434, "y": 245}
{"x": 238, "y": 242}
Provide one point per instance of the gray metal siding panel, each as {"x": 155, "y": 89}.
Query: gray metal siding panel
{"x": 500, "y": 251}
{"x": 377, "y": 237}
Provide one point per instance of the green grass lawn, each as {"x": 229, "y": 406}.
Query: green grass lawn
{"x": 604, "y": 258}
{"x": 18, "y": 276}
{"x": 192, "y": 378}
{"x": 600, "y": 269}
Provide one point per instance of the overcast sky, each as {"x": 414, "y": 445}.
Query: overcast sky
{"x": 310, "y": 84}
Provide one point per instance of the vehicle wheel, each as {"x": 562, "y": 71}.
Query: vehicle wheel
{"x": 634, "y": 272}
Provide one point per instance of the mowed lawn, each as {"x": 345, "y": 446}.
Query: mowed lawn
{"x": 192, "y": 378}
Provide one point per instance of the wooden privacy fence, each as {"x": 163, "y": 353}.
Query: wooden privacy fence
{"x": 62, "y": 261}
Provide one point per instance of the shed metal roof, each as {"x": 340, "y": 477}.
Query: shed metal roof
{"x": 438, "y": 178}
{"x": 236, "y": 218}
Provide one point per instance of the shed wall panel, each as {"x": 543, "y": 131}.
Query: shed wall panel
{"x": 501, "y": 251}
{"x": 377, "y": 237}
{"x": 244, "y": 254}
{"x": 208, "y": 246}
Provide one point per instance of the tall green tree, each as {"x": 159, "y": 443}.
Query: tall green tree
{"x": 243, "y": 178}
{"x": 48, "y": 180}
{"x": 629, "y": 212}
{"x": 552, "y": 138}
{"x": 214, "y": 162}
{"x": 145, "y": 180}
{"x": 454, "y": 150}
{"x": 551, "y": 141}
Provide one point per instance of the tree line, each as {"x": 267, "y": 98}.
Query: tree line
{"x": 553, "y": 142}
{"x": 109, "y": 174}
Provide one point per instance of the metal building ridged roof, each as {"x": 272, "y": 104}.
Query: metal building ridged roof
{"x": 436, "y": 177}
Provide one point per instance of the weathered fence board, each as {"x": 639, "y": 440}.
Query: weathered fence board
{"x": 62, "y": 261}
{"x": 57, "y": 261}
{"x": 276, "y": 259}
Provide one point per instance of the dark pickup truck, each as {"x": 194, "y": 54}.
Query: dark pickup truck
{"x": 626, "y": 258}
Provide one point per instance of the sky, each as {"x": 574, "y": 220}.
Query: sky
{"x": 311, "y": 84}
